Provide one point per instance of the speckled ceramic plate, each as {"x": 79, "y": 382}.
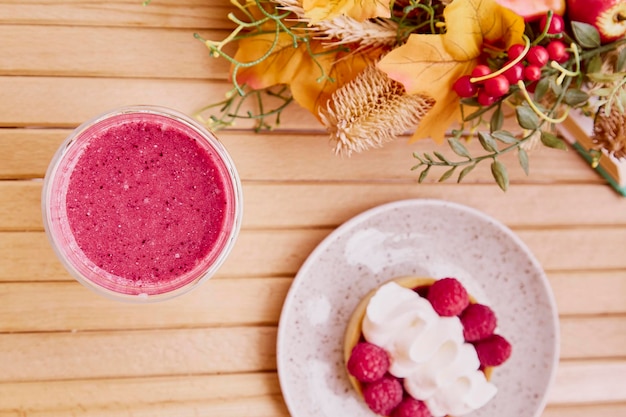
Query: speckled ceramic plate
{"x": 426, "y": 238}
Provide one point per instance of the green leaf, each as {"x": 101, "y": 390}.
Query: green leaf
{"x": 620, "y": 63}
{"x": 458, "y": 148}
{"x": 556, "y": 88}
{"x": 447, "y": 174}
{"x": 465, "y": 171}
{"x": 487, "y": 142}
{"x": 551, "y": 141}
{"x": 595, "y": 64}
{"x": 497, "y": 119}
{"x": 441, "y": 157}
{"x": 526, "y": 117}
{"x": 601, "y": 77}
{"x": 428, "y": 158}
{"x": 586, "y": 35}
{"x": 542, "y": 87}
{"x": 505, "y": 137}
{"x": 417, "y": 156}
{"x": 522, "y": 156}
{"x": 574, "y": 97}
{"x": 424, "y": 174}
{"x": 498, "y": 170}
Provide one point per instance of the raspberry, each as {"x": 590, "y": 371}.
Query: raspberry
{"x": 494, "y": 350}
{"x": 384, "y": 395}
{"x": 448, "y": 297}
{"x": 368, "y": 362}
{"x": 410, "y": 407}
{"x": 479, "y": 321}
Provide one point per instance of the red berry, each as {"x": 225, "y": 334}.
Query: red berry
{"x": 464, "y": 88}
{"x": 515, "y": 73}
{"x": 557, "y": 52}
{"x": 368, "y": 362}
{"x": 479, "y": 321}
{"x": 481, "y": 71}
{"x": 497, "y": 86}
{"x": 494, "y": 350}
{"x": 384, "y": 395}
{"x": 485, "y": 99}
{"x": 537, "y": 55}
{"x": 532, "y": 73}
{"x": 557, "y": 24}
{"x": 448, "y": 297}
{"x": 515, "y": 51}
{"x": 410, "y": 407}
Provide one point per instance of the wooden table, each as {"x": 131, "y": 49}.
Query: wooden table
{"x": 65, "y": 351}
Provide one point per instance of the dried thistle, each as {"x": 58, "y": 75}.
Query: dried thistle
{"x": 370, "y": 33}
{"x": 344, "y": 30}
{"x": 371, "y": 110}
{"x": 609, "y": 132}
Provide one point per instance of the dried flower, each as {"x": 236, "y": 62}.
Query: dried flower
{"x": 446, "y": 69}
{"x": 371, "y": 110}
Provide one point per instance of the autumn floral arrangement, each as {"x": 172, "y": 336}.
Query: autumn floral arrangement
{"x": 373, "y": 70}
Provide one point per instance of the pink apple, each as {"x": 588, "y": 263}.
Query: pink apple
{"x": 608, "y": 16}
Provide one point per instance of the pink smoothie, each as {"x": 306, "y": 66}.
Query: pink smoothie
{"x": 147, "y": 204}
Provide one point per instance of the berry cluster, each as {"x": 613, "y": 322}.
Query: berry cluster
{"x": 488, "y": 84}
{"x": 369, "y": 364}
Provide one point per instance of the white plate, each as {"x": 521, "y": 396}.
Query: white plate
{"x": 426, "y": 238}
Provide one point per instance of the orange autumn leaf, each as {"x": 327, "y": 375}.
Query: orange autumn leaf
{"x": 311, "y": 80}
{"x": 430, "y": 64}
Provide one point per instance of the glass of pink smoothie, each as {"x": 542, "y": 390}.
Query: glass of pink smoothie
{"x": 142, "y": 203}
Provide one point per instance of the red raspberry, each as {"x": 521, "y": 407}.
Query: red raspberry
{"x": 384, "y": 395}
{"x": 410, "y": 407}
{"x": 448, "y": 297}
{"x": 368, "y": 362}
{"x": 479, "y": 321}
{"x": 494, "y": 350}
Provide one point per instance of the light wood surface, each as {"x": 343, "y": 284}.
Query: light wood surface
{"x": 65, "y": 351}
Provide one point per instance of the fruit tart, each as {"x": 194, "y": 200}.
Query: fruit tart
{"x": 420, "y": 347}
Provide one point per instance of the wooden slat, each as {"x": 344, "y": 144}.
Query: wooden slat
{"x": 328, "y": 205}
{"x": 593, "y": 337}
{"x": 179, "y": 14}
{"x": 289, "y": 157}
{"x": 69, "y": 101}
{"x": 258, "y": 302}
{"x": 82, "y": 51}
{"x": 100, "y": 393}
{"x": 72, "y": 395}
{"x": 121, "y": 353}
{"x": 579, "y": 382}
{"x": 595, "y": 410}
{"x": 269, "y": 406}
{"x": 591, "y": 292}
{"x": 28, "y": 256}
{"x": 71, "y": 355}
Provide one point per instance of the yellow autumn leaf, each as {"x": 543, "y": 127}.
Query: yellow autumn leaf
{"x": 311, "y": 80}
{"x": 430, "y": 64}
{"x": 318, "y": 10}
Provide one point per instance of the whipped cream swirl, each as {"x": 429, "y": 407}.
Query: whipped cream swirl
{"x": 426, "y": 350}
